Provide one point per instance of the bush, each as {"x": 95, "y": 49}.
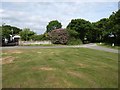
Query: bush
{"x": 58, "y": 36}
{"x": 73, "y": 41}
{"x": 73, "y": 37}
{"x": 41, "y": 37}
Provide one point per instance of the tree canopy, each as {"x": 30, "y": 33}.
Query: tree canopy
{"x": 99, "y": 31}
{"x": 79, "y": 27}
{"x": 53, "y": 25}
{"x": 114, "y": 23}
{"x": 26, "y": 34}
{"x": 7, "y": 30}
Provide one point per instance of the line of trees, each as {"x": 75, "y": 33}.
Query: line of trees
{"x": 105, "y": 30}
{"x": 78, "y": 31}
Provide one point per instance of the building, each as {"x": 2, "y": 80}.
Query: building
{"x": 11, "y": 41}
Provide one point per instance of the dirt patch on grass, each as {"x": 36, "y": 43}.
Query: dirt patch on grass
{"x": 67, "y": 83}
{"x": 52, "y": 52}
{"x": 7, "y": 59}
{"x": 4, "y": 53}
{"x": 81, "y": 65}
{"x": 39, "y": 52}
{"x": 14, "y": 51}
{"x": 84, "y": 77}
{"x": 43, "y": 68}
{"x": 75, "y": 74}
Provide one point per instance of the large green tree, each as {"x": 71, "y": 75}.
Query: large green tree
{"x": 106, "y": 27}
{"x": 79, "y": 27}
{"x": 100, "y": 29}
{"x": 8, "y": 29}
{"x": 52, "y": 25}
{"x": 114, "y": 24}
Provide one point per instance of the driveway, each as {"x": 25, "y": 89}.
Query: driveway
{"x": 91, "y": 46}
{"x": 95, "y": 46}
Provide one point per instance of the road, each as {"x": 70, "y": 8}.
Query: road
{"x": 91, "y": 46}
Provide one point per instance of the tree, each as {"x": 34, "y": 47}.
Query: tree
{"x": 7, "y": 30}
{"x": 73, "y": 37}
{"x": 26, "y": 34}
{"x": 114, "y": 23}
{"x": 79, "y": 27}
{"x": 0, "y": 36}
{"x": 100, "y": 29}
{"x": 109, "y": 26}
{"x": 53, "y": 25}
{"x": 58, "y": 36}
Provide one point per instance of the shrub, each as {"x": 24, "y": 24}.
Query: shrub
{"x": 58, "y": 36}
{"x": 41, "y": 37}
{"x": 73, "y": 37}
{"x": 74, "y": 41}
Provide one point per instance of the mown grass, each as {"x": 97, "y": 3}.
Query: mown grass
{"x": 60, "y": 68}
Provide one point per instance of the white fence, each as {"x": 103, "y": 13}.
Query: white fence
{"x": 34, "y": 42}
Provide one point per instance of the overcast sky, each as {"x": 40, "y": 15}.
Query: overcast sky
{"x": 36, "y": 15}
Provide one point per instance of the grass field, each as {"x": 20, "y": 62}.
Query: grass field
{"x": 59, "y": 68}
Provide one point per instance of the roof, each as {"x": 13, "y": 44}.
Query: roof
{"x": 16, "y": 36}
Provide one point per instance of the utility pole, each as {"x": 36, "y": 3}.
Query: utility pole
{"x": 12, "y": 32}
{"x": 26, "y": 35}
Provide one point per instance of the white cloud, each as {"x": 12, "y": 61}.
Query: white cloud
{"x": 37, "y": 15}
{"x": 60, "y": 0}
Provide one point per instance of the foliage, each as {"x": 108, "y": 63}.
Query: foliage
{"x": 108, "y": 26}
{"x": 115, "y": 25}
{"x": 101, "y": 27}
{"x": 58, "y": 36}
{"x": 26, "y": 34}
{"x": 99, "y": 31}
{"x": 73, "y": 33}
{"x": 0, "y": 36}
{"x": 7, "y": 30}
{"x": 53, "y": 25}
{"x": 40, "y": 37}
{"x": 78, "y": 30}
{"x": 73, "y": 37}
{"x": 79, "y": 27}
{"x": 74, "y": 41}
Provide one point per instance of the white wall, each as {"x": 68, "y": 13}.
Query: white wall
{"x": 35, "y": 42}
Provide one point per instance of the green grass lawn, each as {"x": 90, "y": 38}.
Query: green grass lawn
{"x": 57, "y": 68}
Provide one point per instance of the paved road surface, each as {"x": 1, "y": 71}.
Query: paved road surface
{"x": 91, "y": 46}
{"x": 94, "y": 46}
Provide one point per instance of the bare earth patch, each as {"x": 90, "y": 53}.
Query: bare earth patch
{"x": 67, "y": 83}
{"x": 82, "y": 76}
{"x": 39, "y": 52}
{"x": 75, "y": 74}
{"x": 52, "y": 52}
{"x": 14, "y": 51}
{"x": 43, "y": 68}
{"x": 4, "y": 53}
{"x": 7, "y": 59}
{"x": 82, "y": 65}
